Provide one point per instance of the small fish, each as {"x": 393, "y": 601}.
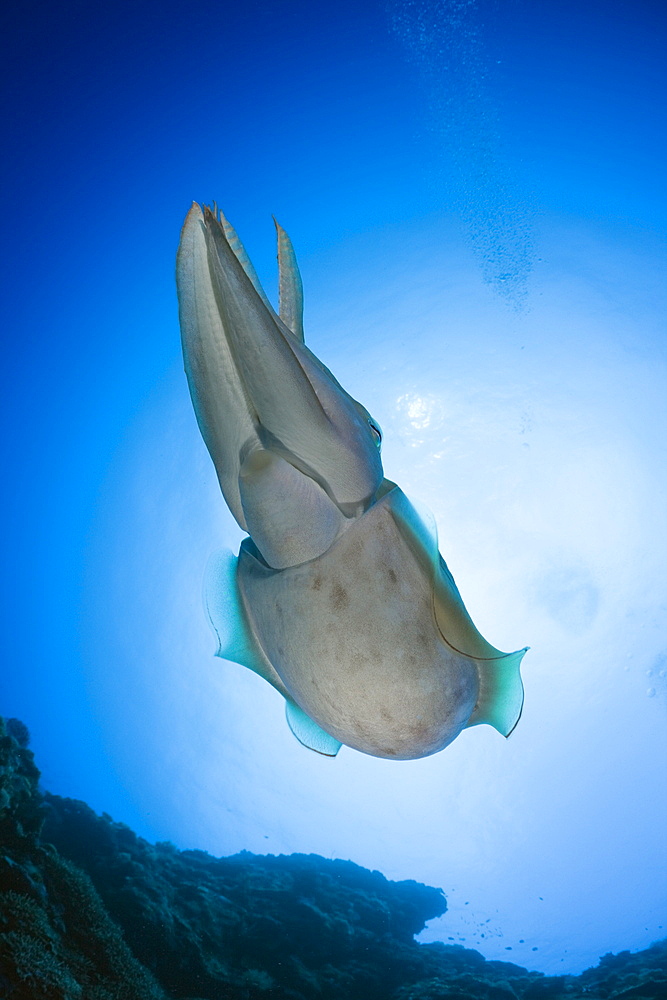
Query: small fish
{"x": 339, "y": 597}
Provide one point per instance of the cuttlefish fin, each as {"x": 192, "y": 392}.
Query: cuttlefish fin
{"x": 228, "y": 617}
{"x": 290, "y": 286}
{"x": 308, "y": 732}
{"x": 236, "y": 641}
{"x": 500, "y": 698}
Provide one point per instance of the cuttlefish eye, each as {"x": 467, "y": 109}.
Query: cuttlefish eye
{"x": 377, "y": 433}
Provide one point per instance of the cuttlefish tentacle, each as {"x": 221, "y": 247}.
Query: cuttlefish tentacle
{"x": 290, "y": 286}
{"x": 232, "y": 238}
{"x": 222, "y": 405}
{"x": 340, "y": 598}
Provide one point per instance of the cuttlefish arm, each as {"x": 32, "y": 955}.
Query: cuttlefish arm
{"x": 339, "y": 598}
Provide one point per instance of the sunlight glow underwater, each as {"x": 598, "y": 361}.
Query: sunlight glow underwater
{"x": 533, "y": 438}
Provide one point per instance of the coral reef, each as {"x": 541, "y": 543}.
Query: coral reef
{"x": 91, "y": 911}
{"x": 301, "y": 923}
{"x": 57, "y": 941}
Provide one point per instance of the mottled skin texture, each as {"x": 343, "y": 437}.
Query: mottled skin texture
{"x": 366, "y": 660}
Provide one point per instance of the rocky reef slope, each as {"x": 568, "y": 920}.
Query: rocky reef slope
{"x": 89, "y": 910}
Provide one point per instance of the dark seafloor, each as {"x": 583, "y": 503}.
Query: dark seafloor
{"x": 90, "y": 911}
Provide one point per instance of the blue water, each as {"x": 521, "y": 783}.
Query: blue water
{"x": 476, "y": 197}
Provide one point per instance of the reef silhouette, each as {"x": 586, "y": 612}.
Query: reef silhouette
{"x": 90, "y": 910}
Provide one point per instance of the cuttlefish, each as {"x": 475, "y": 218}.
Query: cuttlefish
{"x": 339, "y": 597}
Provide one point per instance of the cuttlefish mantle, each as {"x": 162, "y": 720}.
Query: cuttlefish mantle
{"x": 339, "y": 597}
